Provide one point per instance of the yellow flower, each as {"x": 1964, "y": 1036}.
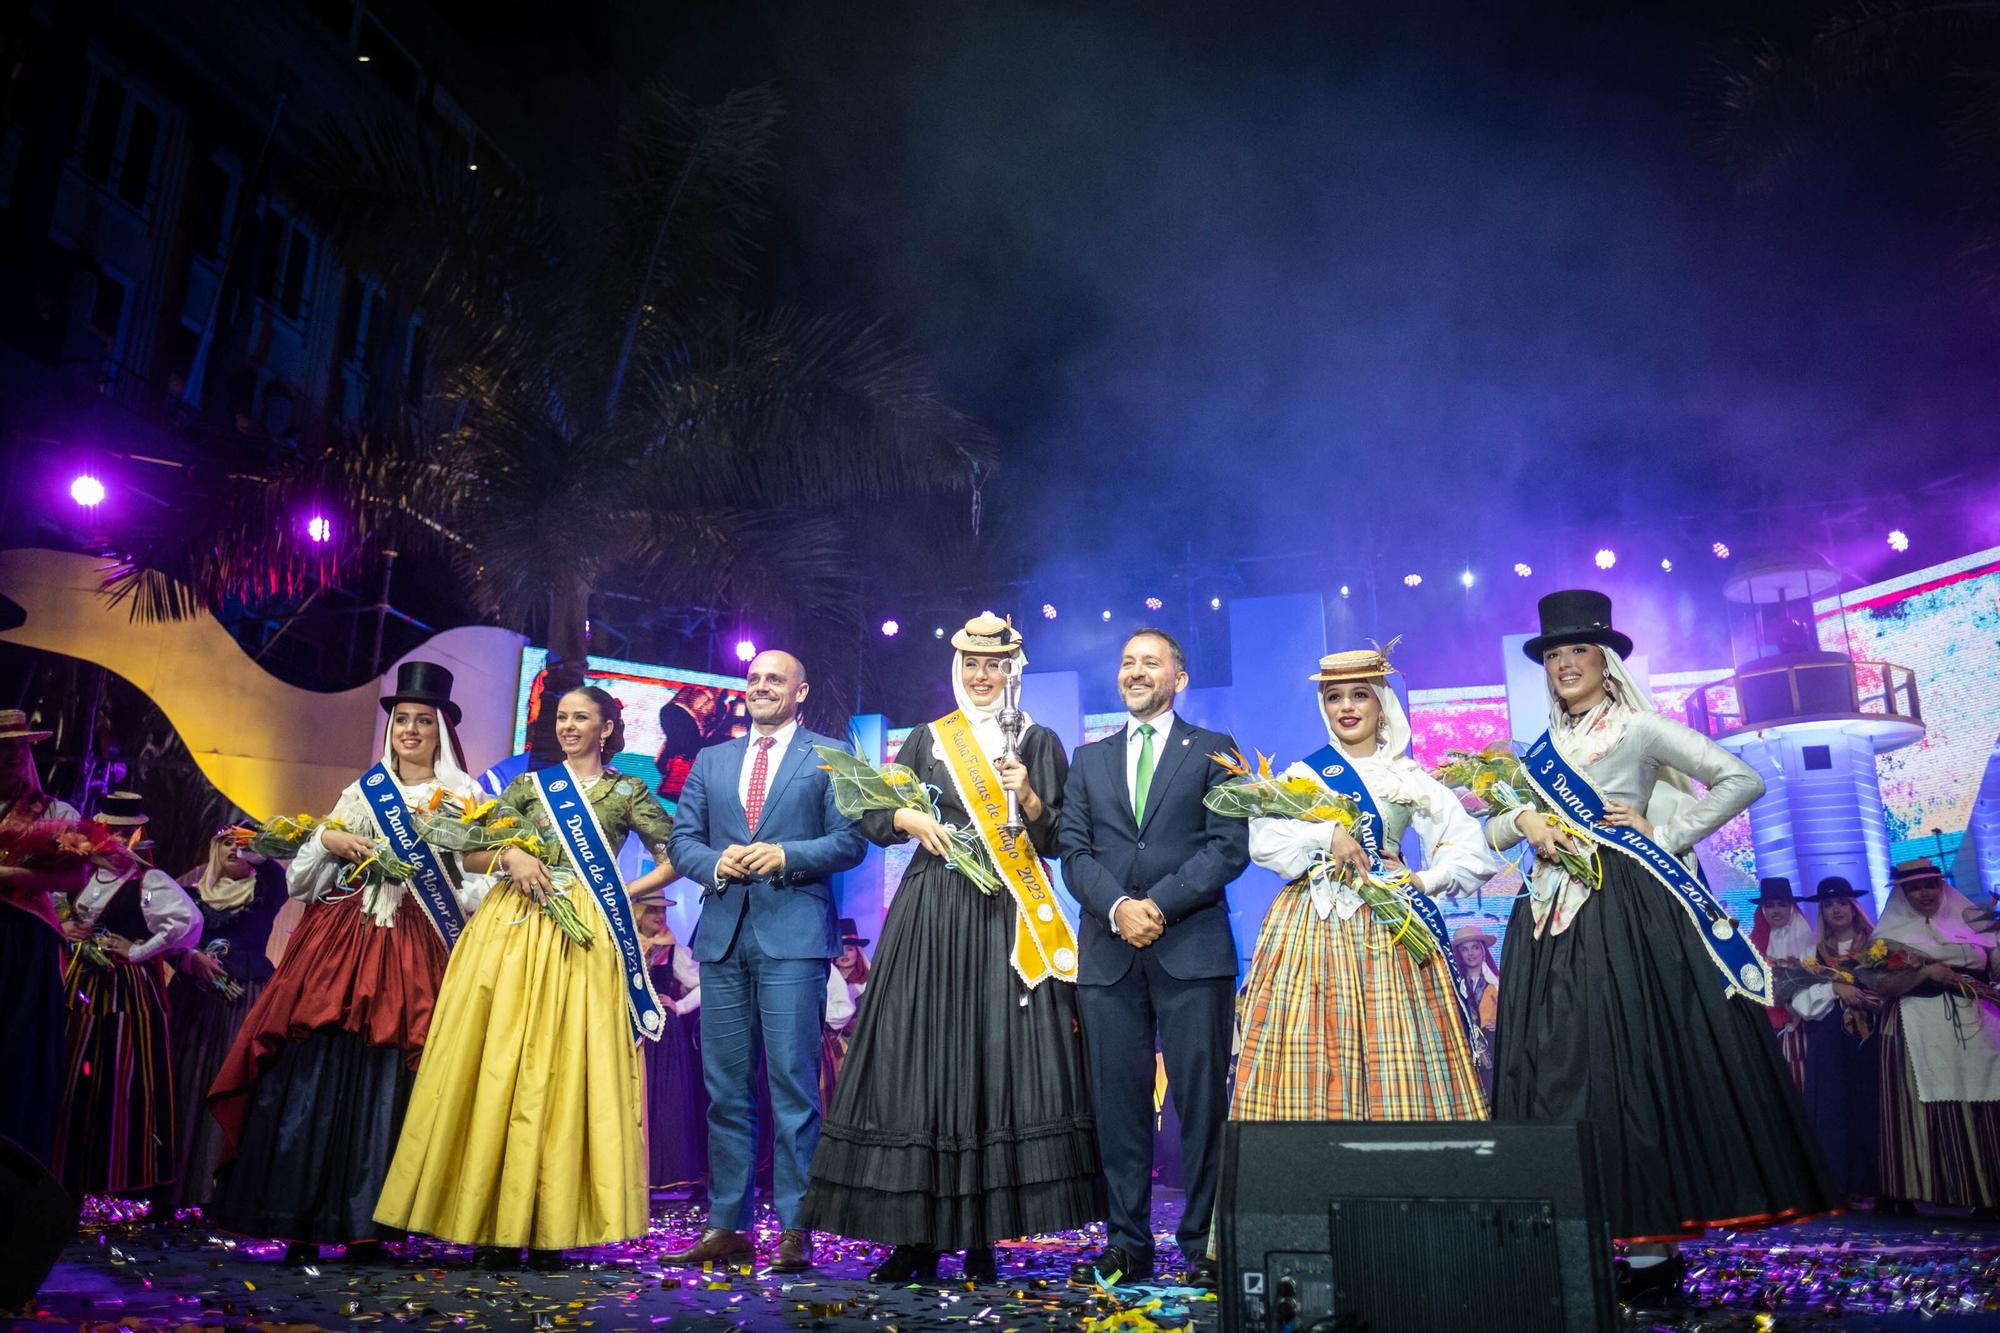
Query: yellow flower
{"x": 897, "y": 779}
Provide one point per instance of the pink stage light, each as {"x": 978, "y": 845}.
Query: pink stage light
{"x": 87, "y": 491}
{"x": 1606, "y": 557}
{"x": 1048, "y": 610}
{"x": 1899, "y": 540}
{"x": 319, "y": 529}
{"x": 745, "y": 650}
{"x": 1522, "y": 570}
{"x": 1409, "y": 581}
{"x": 1721, "y": 550}
{"x": 890, "y": 629}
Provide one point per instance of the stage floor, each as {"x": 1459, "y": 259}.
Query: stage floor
{"x": 1848, "y": 1273}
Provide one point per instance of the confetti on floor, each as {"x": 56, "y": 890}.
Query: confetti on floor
{"x": 129, "y": 1272}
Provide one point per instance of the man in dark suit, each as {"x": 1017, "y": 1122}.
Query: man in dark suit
{"x": 1149, "y": 862}
{"x": 758, "y": 830}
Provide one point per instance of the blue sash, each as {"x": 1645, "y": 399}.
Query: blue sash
{"x": 1337, "y": 770}
{"x": 1736, "y": 959}
{"x": 431, "y": 885}
{"x": 591, "y": 854}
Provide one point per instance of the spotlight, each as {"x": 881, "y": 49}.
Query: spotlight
{"x": 1413, "y": 580}
{"x": 1606, "y": 557}
{"x": 362, "y": 59}
{"x": 1343, "y": 590}
{"x": 1465, "y": 579}
{"x": 319, "y": 529}
{"x": 1667, "y": 565}
{"x": 745, "y": 650}
{"x": 87, "y": 491}
{"x": 890, "y": 629}
{"x": 1721, "y": 550}
{"x": 1048, "y": 610}
{"x": 1899, "y": 540}
{"x": 1105, "y": 616}
{"x": 1521, "y": 570}
{"x": 938, "y": 633}
{"x": 1215, "y": 603}
{"x": 1154, "y": 603}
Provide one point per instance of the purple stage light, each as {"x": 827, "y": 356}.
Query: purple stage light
{"x": 1522, "y": 570}
{"x": 87, "y": 491}
{"x": 1899, "y": 540}
{"x": 1465, "y": 579}
{"x": 1606, "y": 557}
{"x": 745, "y": 650}
{"x": 1667, "y": 565}
{"x": 1413, "y": 581}
{"x": 890, "y": 629}
{"x": 1048, "y": 610}
{"x": 1721, "y": 550}
{"x": 1154, "y": 603}
{"x": 319, "y": 529}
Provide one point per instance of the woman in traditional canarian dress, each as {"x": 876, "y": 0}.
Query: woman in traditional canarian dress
{"x": 1940, "y": 1049}
{"x": 240, "y": 895}
{"x": 1339, "y": 1021}
{"x": 1843, "y": 1076}
{"x": 1780, "y": 931}
{"x": 527, "y": 1122}
{"x": 676, "y": 1100}
{"x": 315, "y": 1087}
{"x": 1637, "y": 1006}
{"x": 115, "y": 1134}
{"x": 961, "y": 1116}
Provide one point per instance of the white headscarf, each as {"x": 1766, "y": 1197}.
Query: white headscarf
{"x": 1904, "y": 924}
{"x": 1583, "y": 741}
{"x": 985, "y": 718}
{"x": 449, "y": 764}
{"x": 1391, "y": 774}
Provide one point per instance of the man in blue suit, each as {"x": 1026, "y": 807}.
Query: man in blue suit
{"x": 758, "y": 830}
{"x": 1149, "y": 863}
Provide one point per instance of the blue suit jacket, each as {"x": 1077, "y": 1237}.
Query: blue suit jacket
{"x": 1182, "y": 857}
{"x": 793, "y": 914}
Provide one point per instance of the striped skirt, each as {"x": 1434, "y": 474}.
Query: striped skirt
{"x": 1933, "y": 1152}
{"x": 1340, "y": 1024}
{"x": 116, "y": 1133}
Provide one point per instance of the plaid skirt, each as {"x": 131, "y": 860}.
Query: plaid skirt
{"x": 1340, "y": 1024}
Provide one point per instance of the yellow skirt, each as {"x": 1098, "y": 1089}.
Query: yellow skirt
{"x": 525, "y": 1126}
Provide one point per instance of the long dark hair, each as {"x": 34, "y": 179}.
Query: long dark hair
{"x": 609, "y": 708}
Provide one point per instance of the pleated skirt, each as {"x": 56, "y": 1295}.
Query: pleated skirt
{"x": 202, "y": 1027}
{"x": 1933, "y": 1152}
{"x": 115, "y": 1133}
{"x": 527, "y": 1122}
{"x": 1340, "y": 1023}
{"x": 1621, "y": 1021}
{"x": 961, "y": 1115}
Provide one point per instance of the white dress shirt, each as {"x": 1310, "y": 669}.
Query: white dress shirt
{"x": 1161, "y": 725}
{"x": 780, "y": 738}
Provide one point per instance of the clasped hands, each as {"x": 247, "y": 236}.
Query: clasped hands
{"x": 759, "y": 860}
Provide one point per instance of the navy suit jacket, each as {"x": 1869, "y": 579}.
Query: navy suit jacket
{"x": 792, "y": 913}
{"x": 1182, "y": 857}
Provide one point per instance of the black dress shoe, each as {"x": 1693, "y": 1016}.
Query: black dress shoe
{"x": 496, "y": 1258}
{"x": 1114, "y": 1264}
{"x": 1201, "y": 1273}
{"x": 980, "y": 1266}
{"x": 907, "y": 1263}
{"x": 545, "y": 1261}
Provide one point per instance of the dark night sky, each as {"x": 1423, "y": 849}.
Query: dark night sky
{"x": 1304, "y": 295}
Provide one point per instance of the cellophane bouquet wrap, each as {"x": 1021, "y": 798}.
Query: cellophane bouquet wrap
{"x": 1491, "y": 783}
{"x": 1258, "y": 793}
{"x": 280, "y": 839}
{"x": 455, "y": 824}
{"x": 859, "y": 786}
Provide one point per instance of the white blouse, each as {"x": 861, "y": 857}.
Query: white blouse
{"x": 1456, "y": 858}
{"x": 170, "y": 913}
{"x": 315, "y": 872}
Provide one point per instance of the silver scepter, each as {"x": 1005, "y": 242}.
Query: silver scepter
{"x": 1011, "y": 720}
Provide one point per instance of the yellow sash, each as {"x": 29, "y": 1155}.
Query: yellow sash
{"x": 1043, "y": 944}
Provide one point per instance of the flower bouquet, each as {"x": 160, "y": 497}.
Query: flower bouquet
{"x": 1491, "y": 783}
{"x": 281, "y": 838}
{"x": 457, "y": 824}
{"x": 859, "y": 786}
{"x": 1259, "y": 793}
{"x": 88, "y": 950}
{"x": 53, "y": 844}
{"x": 1885, "y": 966}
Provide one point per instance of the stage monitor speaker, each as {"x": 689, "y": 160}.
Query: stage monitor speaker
{"x": 37, "y": 1218}
{"x": 1412, "y": 1227}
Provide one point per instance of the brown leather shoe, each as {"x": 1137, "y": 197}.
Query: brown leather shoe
{"x": 795, "y": 1252}
{"x": 717, "y": 1245}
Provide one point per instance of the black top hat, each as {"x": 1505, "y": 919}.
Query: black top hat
{"x": 1576, "y": 615}
{"x": 1776, "y": 889}
{"x": 422, "y": 683}
{"x": 849, "y": 932}
{"x": 1833, "y": 886}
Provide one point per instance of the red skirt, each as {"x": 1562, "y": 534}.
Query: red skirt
{"x": 340, "y": 970}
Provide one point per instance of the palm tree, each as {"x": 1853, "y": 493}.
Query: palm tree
{"x": 609, "y": 412}
{"x": 1796, "y": 84}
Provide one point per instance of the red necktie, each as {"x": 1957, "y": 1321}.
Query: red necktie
{"x": 760, "y": 778}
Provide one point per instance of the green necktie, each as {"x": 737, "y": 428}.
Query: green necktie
{"x": 1143, "y": 783}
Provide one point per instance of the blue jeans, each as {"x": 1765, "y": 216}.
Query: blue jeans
{"x": 750, "y": 1004}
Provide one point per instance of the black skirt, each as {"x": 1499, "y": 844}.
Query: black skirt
{"x": 31, "y": 1031}
{"x": 676, "y": 1105}
{"x": 1621, "y": 1021}
{"x": 1843, "y": 1099}
{"x": 202, "y": 1023}
{"x": 317, "y": 1141}
{"x": 962, "y": 1115}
